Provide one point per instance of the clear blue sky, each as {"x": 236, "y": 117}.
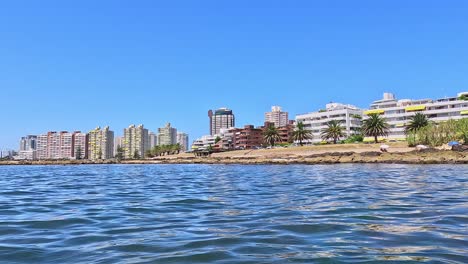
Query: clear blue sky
{"x": 74, "y": 65}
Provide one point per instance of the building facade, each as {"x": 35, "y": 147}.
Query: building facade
{"x": 277, "y": 117}
{"x": 27, "y": 148}
{"x": 135, "y": 141}
{"x": 118, "y": 142}
{"x": 56, "y": 145}
{"x": 248, "y": 137}
{"x": 221, "y": 118}
{"x": 80, "y": 145}
{"x": 349, "y": 116}
{"x": 101, "y": 143}
{"x": 183, "y": 141}
{"x": 399, "y": 112}
{"x": 285, "y": 132}
{"x": 153, "y": 139}
{"x": 167, "y": 135}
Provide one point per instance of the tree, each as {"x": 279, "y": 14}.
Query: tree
{"x": 136, "y": 155}
{"x": 177, "y": 148}
{"x": 375, "y": 126}
{"x": 78, "y": 153}
{"x": 271, "y": 135}
{"x": 217, "y": 139}
{"x": 148, "y": 153}
{"x": 100, "y": 154}
{"x": 300, "y": 133}
{"x": 120, "y": 153}
{"x": 334, "y": 131}
{"x": 417, "y": 122}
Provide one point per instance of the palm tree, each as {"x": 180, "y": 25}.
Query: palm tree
{"x": 375, "y": 126}
{"x": 417, "y": 122}
{"x": 271, "y": 135}
{"x": 300, "y": 133}
{"x": 334, "y": 131}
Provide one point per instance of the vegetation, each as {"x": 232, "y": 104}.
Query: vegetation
{"x": 463, "y": 97}
{"x": 333, "y": 131}
{"x": 78, "y": 153}
{"x": 136, "y": 155}
{"x": 375, "y": 126}
{"x": 217, "y": 139}
{"x": 271, "y": 135}
{"x": 162, "y": 150}
{"x": 417, "y": 122}
{"x": 120, "y": 153}
{"x": 439, "y": 134}
{"x": 354, "y": 138}
{"x": 301, "y": 134}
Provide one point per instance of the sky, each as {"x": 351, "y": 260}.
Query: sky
{"x": 76, "y": 65}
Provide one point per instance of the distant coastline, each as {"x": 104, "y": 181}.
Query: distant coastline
{"x": 330, "y": 154}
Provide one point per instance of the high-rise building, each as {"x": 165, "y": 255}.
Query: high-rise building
{"x": 183, "y": 141}
{"x": 135, "y": 141}
{"x": 349, "y": 117}
{"x": 80, "y": 145}
{"x": 167, "y": 135}
{"x": 277, "y": 117}
{"x": 118, "y": 142}
{"x": 153, "y": 140}
{"x": 222, "y": 118}
{"x": 398, "y": 112}
{"x": 101, "y": 143}
{"x": 56, "y": 145}
{"x": 28, "y": 142}
{"x": 27, "y": 149}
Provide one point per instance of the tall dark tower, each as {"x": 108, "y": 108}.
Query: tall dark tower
{"x": 221, "y": 118}
{"x": 210, "y": 115}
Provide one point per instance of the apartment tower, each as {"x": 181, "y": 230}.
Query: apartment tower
{"x": 221, "y": 118}
{"x": 135, "y": 141}
{"x": 277, "y": 117}
{"x": 101, "y": 143}
{"x": 183, "y": 141}
{"x": 167, "y": 135}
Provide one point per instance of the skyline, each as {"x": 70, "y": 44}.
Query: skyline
{"x": 69, "y": 66}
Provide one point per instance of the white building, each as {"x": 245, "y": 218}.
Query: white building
{"x": 27, "y": 149}
{"x": 183, "y": 141}
{"x": 225, "y": 135}
{"x": 277, "y": 116}
{"x": 348, "y": 115}
{"x": 167, "y": 135}
{"x": 118, "y": 142}
{"x": 153, "y": 140}
{"x": 398, "y": 112}
{"x": 204, "y": 142}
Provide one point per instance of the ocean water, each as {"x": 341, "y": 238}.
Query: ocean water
{"x": 234, "y": 214}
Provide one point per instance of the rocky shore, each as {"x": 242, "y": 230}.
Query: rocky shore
{"x": 432, "y": 156}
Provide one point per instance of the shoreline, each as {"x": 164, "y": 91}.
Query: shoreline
{"x": 432, "y": 156}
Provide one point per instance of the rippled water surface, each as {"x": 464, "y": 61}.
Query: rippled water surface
{"x": 234, "y": 214}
